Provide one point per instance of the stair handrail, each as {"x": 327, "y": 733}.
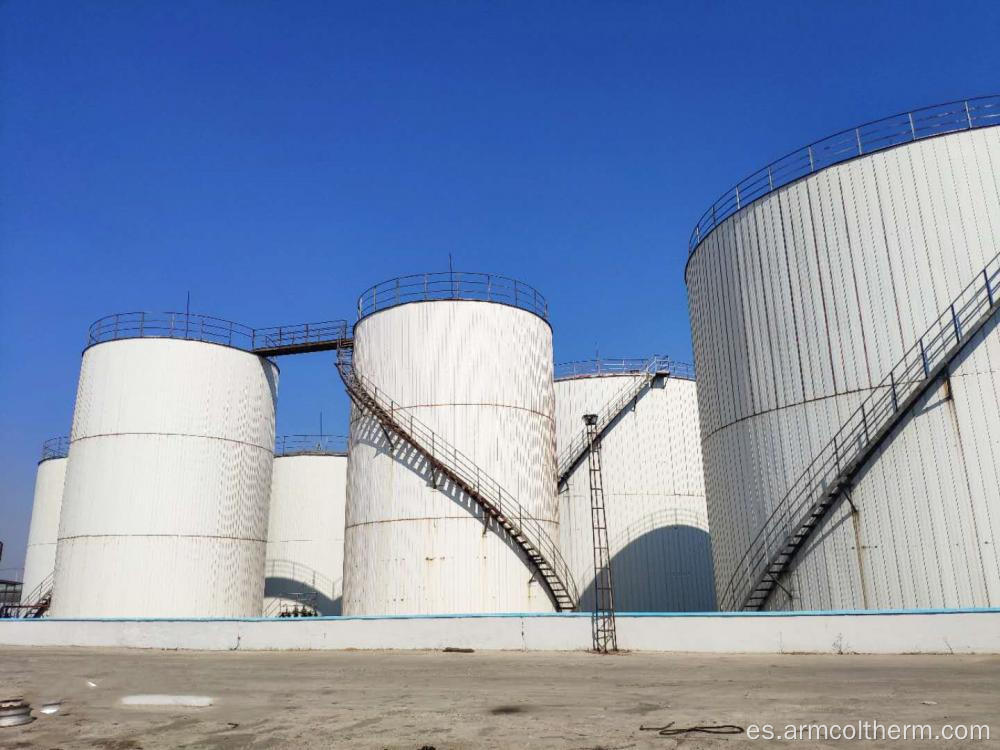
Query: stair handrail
{"x": 571, "y": 455}
{"x": 474, "y": 481}
{"x": 865, "y": 427}
{"x": 43, "y": 589}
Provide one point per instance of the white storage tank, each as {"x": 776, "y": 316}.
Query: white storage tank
{"x": 43, "y": 533}
{"x": 165, "y": 506}
{"x": 807, "y": 284}
{"x": 305, "y": 538}
{"x": 651, "y": 469}
{"x": 469, "y": 356}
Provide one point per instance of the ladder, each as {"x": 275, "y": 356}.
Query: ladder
{"x": 829, "y": 476}
{"x": 448, "y": 462}
{"x": 577, "y": 450}
{"x": 603, "y": 621}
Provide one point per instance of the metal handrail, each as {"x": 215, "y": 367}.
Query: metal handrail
{"x": 878, "y": 135}
{"x": 620, "y": 366}
{"x": 573, "y": 452}
{"x": 207, "y": 328}
{"x": 445, "y": 285}
{"x": 310, "y": 445}
{"x": 864, "y": 429}
{"x": 57, "y": 447}
{"x": 485, "y": 490}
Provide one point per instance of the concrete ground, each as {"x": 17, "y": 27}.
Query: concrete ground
{"x": 423, "y": 699}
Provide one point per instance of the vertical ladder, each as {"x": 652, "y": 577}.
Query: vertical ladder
{"x": 603, "y": 621}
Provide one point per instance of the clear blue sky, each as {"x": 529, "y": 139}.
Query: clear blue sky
{"x": 276, "y": 158}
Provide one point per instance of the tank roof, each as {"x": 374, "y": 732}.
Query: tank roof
{"x": 452, "y": 285}
{"x": 310, "y": 445}
{"x": 871, "y": 137}
{"x": 57, "y": 447}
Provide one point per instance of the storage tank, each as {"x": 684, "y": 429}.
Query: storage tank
{"x": 470, "y": 357}
{"x": 165, "y": 506}
{"x": 651, "y": 472}
{"x": 822, "y": 290}
{"x": 43, "y": 532}
{"x": 305, "y": 538}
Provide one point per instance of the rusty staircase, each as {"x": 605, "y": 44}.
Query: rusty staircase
{"x": 574, "y": 453}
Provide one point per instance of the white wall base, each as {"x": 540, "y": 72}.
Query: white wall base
{"x": 923, "y": 632}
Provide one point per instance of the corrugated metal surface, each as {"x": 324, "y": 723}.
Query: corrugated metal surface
{"x": 803, "y": 300}
{"x": 654, "y": 496}
{"x": 165, "y": 506}
{"x": 43, "y": 533}
{"x": 305, "y": 538}
{"x": 479, "y": 375}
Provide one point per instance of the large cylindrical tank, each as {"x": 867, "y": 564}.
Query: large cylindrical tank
{"x": 43, "y": 533}
{"x": 305, "y": 538}
{"x": 651, "y": 471}
{"x": 478, "y": 372}
{"x": 165, "y": 506}
{"x": 802, "y": 298}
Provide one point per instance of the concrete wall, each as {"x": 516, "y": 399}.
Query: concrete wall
{"x": 305, "y": 537}
{"x": 901, "y": 633}
{"x": 166, "y": 498}
{"x": 654, "y": 495}
{"x": 799, "y": 304}
{"x": 43, "y": 533}
{"x": 478, "y": 374}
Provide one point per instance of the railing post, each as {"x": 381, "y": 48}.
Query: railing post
{"x": 489, "y": 288}
{"x": 397, "y": 291}
{"x": 913, "y": 130}
{"x": 864, "y": 422}
{"x": 986, "y": 280}
{"x": 857, "y": 134}
{"x": 230, "y": 333}
{"x": 737, "y": 196}
{"x": 895, "y": 398}
{"x": 836, "y": 453}
{"x": 958, "y": 326}
{"x": 812, "y": 165}
{"x": 923, "y": 358}
{"x": 968, "y": 114}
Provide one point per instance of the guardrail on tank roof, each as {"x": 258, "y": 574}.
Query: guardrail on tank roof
{"x": 623, "y": 366}
{"x": 209, "y": 329}
{"x": 310, "y": 445}
{"x": 445, "y": 285}
{"x": 878, "y": 135}
{"x": 57, "y": 447}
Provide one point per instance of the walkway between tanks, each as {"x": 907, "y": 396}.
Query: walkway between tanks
{"x": 376, "y": 699}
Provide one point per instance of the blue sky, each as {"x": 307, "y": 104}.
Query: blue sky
{"x": 275, "y": 159}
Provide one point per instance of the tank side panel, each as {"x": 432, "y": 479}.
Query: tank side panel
{"x": 809, "y": 295}
{"x": 43, "y": 533}
{"x": 305, "y": 542}
{"x": 480, "y": 376}
{"x": 654, "y": 497}
{"x": 165, "y": 506}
